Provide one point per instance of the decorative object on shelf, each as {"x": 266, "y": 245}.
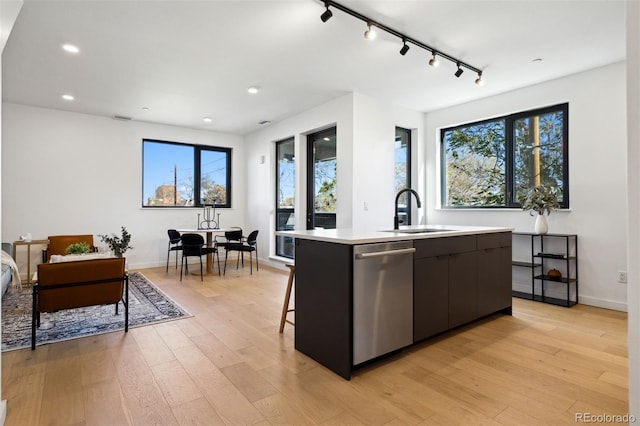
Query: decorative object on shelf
{"x": 78, "y": 248}
{"x": 209, "y": 215}
{"x": 554, "y": 273}
{"x": 26, "y": 237}
{"x": 540, "y": 199}
{"x": 119, "y": 245}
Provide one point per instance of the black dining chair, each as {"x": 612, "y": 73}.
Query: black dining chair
{"x": 229, "y": 237}
{"x": 248, "y": 245}
{"x": 174, "y": 245}
{"x": 193, "y": 246}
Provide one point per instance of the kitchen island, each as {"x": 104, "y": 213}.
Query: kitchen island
{"x": 362, "y": 295}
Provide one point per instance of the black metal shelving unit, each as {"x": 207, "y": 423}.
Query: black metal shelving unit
{"x": 565, "y": 260}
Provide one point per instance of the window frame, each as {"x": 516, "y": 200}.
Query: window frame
{"x": 197, "y": 172}
{"x": 511, "y": 201}
{"x": 278, "y": 210}
{"x": 407, "y": 132}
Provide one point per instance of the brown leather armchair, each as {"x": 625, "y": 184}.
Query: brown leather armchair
{"x": 69, "y": 285}
{"x": 58, "y": 244}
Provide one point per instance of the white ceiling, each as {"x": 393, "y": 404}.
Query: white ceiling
{"x": 188, "y": 59}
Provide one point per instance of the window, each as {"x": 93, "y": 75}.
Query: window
{"x": 285, "y": 195}
{"x": 488, "y": 163}
{"x": 402, "y": 155}
{"x": 321, "y": 179}
{"x": 175, "y": 174}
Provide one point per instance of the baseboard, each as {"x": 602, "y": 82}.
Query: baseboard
{"x": 583, "y": 300}
{"x": 3, "y": 411}
{"x": 603, "y": 303}
{"x": 163, "y": 263}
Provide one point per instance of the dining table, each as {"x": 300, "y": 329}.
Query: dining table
{"x": 209, "y": 241}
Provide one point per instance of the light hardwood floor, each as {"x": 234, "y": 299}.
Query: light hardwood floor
{"x": 228, "y": 365}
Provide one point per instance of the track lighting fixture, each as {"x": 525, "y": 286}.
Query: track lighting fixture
{"x": 459, "y": 71}
{"x": 326, "y": 15}
{"x": 434, "y": 62}
{"x": 405, "y": 47}
{"x": 370, "y": 34}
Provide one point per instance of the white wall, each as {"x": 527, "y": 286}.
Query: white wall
{"x": 597, "y": 173}
{"x": 633, "y": 165}
{"x": 68, "y": 173}
{"x": 365, "y": 155}
{"x": 261, "y": 177}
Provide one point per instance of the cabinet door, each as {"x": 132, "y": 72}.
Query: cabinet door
{"x": 462, "y": 288}
{"x": 430, "y": 296}
{"x": 494, "y": 283}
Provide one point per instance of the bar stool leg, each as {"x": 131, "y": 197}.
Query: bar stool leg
{"x": 287, "y": 297}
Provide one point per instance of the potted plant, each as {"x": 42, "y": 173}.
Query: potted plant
{"x": 540, "y": 199}
{"x": 118, "y": 245}
{"x": 78, "y": 248}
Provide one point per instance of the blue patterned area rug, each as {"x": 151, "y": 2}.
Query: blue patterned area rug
{"x": 147, "y": 305}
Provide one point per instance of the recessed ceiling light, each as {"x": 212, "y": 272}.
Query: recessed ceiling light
{"x": 207, "y": 119}
{"x": 70, "y": 48}
{"x": 145, "y": 108}
{"x": 68, "y": 97}
{"x": 253, "y": 90}
{"x": 536, "y": 60}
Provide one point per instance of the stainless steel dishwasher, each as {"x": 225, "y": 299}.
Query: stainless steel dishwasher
{"x": 382, "y": 299}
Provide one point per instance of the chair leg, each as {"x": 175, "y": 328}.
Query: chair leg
{"x": 117, "y": 303}
{"x": 177, "y": 259}
{"x": 257, "y": 263}
{"x": 251, "y": 262}
{"x": 168, "y": 253}
{"x": 218, "y": 256}
{"x": 34, "y": 318}
{"x": 226, "y": 255}
{"x": 181, "y": 267}
{"x": 201, "y": 278}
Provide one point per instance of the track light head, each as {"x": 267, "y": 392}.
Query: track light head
{"x": 405, "y": 47}
{"x": 434, "y": 62}
{"x": 370, "y": 34}
{"x": 459, "y": 71}
{"x": 479, "y": 80}
{"x": 327, "y": 14}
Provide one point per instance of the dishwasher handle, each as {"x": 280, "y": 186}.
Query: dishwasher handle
{"x": 384, "y": 253}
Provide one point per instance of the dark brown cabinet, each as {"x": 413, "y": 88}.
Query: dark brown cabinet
{"x": 494, "y": 273}
{"x": 430, "y": 296}
{"x": 458, "y": 280}
{"x": 463, "y": 284}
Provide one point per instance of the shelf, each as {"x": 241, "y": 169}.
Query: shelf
{"x": 538, "y": 298}
{"x": 559, "y": 280}
{"x": 557, "y": 251}
{"x": 525, "y": 264}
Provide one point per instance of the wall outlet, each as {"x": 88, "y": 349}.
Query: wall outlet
{"x": 622, "y": 277}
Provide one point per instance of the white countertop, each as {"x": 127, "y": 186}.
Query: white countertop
{"x": 352, "y": 236}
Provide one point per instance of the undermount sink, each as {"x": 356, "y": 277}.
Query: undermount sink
{"x": 418, "y": 230}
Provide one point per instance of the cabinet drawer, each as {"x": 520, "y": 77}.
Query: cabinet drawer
{"x": 430, "y": 247}
{"x": 487, "y": 241}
